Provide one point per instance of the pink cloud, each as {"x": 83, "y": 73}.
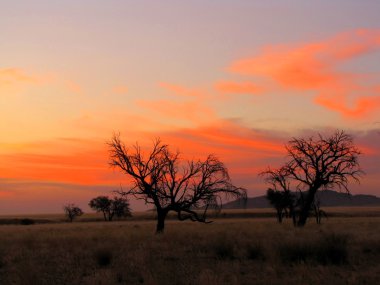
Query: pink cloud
{"x": 314, "y": 67}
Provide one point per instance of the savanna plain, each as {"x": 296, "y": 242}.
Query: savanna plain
{"x": 239, "y": 247}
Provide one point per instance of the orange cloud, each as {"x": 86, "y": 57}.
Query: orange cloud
{"x": 182, "y": 91}
{"x": 314, "y": 67}
{"x": 238, "y": 146}
{"x": 69, "y": 160}
{"x": 83, "y": 168}
{"x": 295, "y": 67}
{"x": 231, "y": 87}
{"x": 85, "y": 162}
{"x": 360, "y": 107}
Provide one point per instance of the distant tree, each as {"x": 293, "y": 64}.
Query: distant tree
{"x": 279, "y": 194}
{"x": 72, "y": 211}
{"x": 102, "y": 204}
{"x": 275, "y": 199}
{"x": 318, "y": 163}
{"x": 118, "y": 206}
{"x": 161, "y": 178}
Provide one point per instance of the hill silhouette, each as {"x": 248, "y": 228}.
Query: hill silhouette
{"x": 328, "y": 198}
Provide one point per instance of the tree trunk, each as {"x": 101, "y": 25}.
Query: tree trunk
{"x": 279, "y": 215}
{"x": 161, "y": 216}
{"x": 305, "y": 208}
{"x": 110, "y": 216}
{"x": 292, "y": 214}
{"x": 317, "y": 215}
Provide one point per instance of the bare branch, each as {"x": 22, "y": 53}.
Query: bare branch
{"x": 163, "y": 179}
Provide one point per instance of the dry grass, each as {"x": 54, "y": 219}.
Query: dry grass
{"x": 347, "y": 212}
{"x": 229, "y": 251}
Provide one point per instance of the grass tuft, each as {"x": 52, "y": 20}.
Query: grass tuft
{"x": 103, "y": 257}
{"x": 224, "y": 248}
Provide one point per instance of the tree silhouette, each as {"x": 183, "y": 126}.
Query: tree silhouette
{"x": 162, "y": 178}
{"x": 319, "y": 163}
{"x": 279, "y": 194}
{"x": 72, "y": 211}
{"x": 118, "y": 206}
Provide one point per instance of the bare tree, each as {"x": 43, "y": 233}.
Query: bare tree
{"x": 118, "y": 206}
{"x": 161, "y": 178}
{"x": 72, "y": 211}
{"x": 321, "y": 163}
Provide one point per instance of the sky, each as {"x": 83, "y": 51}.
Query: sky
{"x": 237, "y": 79}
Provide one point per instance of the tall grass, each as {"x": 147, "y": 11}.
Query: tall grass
{"x": 323, "y": 249}
{"x": 257, "y": 251}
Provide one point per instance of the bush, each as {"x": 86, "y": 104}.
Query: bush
{"x": 224, "y": 249}
{"x": 26, "y": 222}
{"x": 103, "y": 257}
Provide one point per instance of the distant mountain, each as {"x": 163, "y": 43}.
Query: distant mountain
{"x": 328, "y": 198}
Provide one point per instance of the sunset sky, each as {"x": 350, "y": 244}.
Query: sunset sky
{"x": 233, "y": 78}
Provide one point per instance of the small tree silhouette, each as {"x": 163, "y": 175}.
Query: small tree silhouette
{"x": 72, "y": 211}
{"x": 161, "y": 178}
{"x": 118, "y": 206}
{"x": 279, "y": 194}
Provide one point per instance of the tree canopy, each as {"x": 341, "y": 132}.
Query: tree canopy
{"x": 72, "y": 211}
{"x": 118, "y": 206}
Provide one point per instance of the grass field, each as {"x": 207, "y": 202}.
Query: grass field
{"x": 224, "y": 214}
{"x": 229, "y": 251}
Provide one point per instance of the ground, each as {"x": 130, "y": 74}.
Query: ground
{"x": 234, "y": 249}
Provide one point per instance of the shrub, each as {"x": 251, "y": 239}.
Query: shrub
{"x": 224, "y": 249}
{"x": 27, "y": 221}
{"x": 103, "y": 257}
